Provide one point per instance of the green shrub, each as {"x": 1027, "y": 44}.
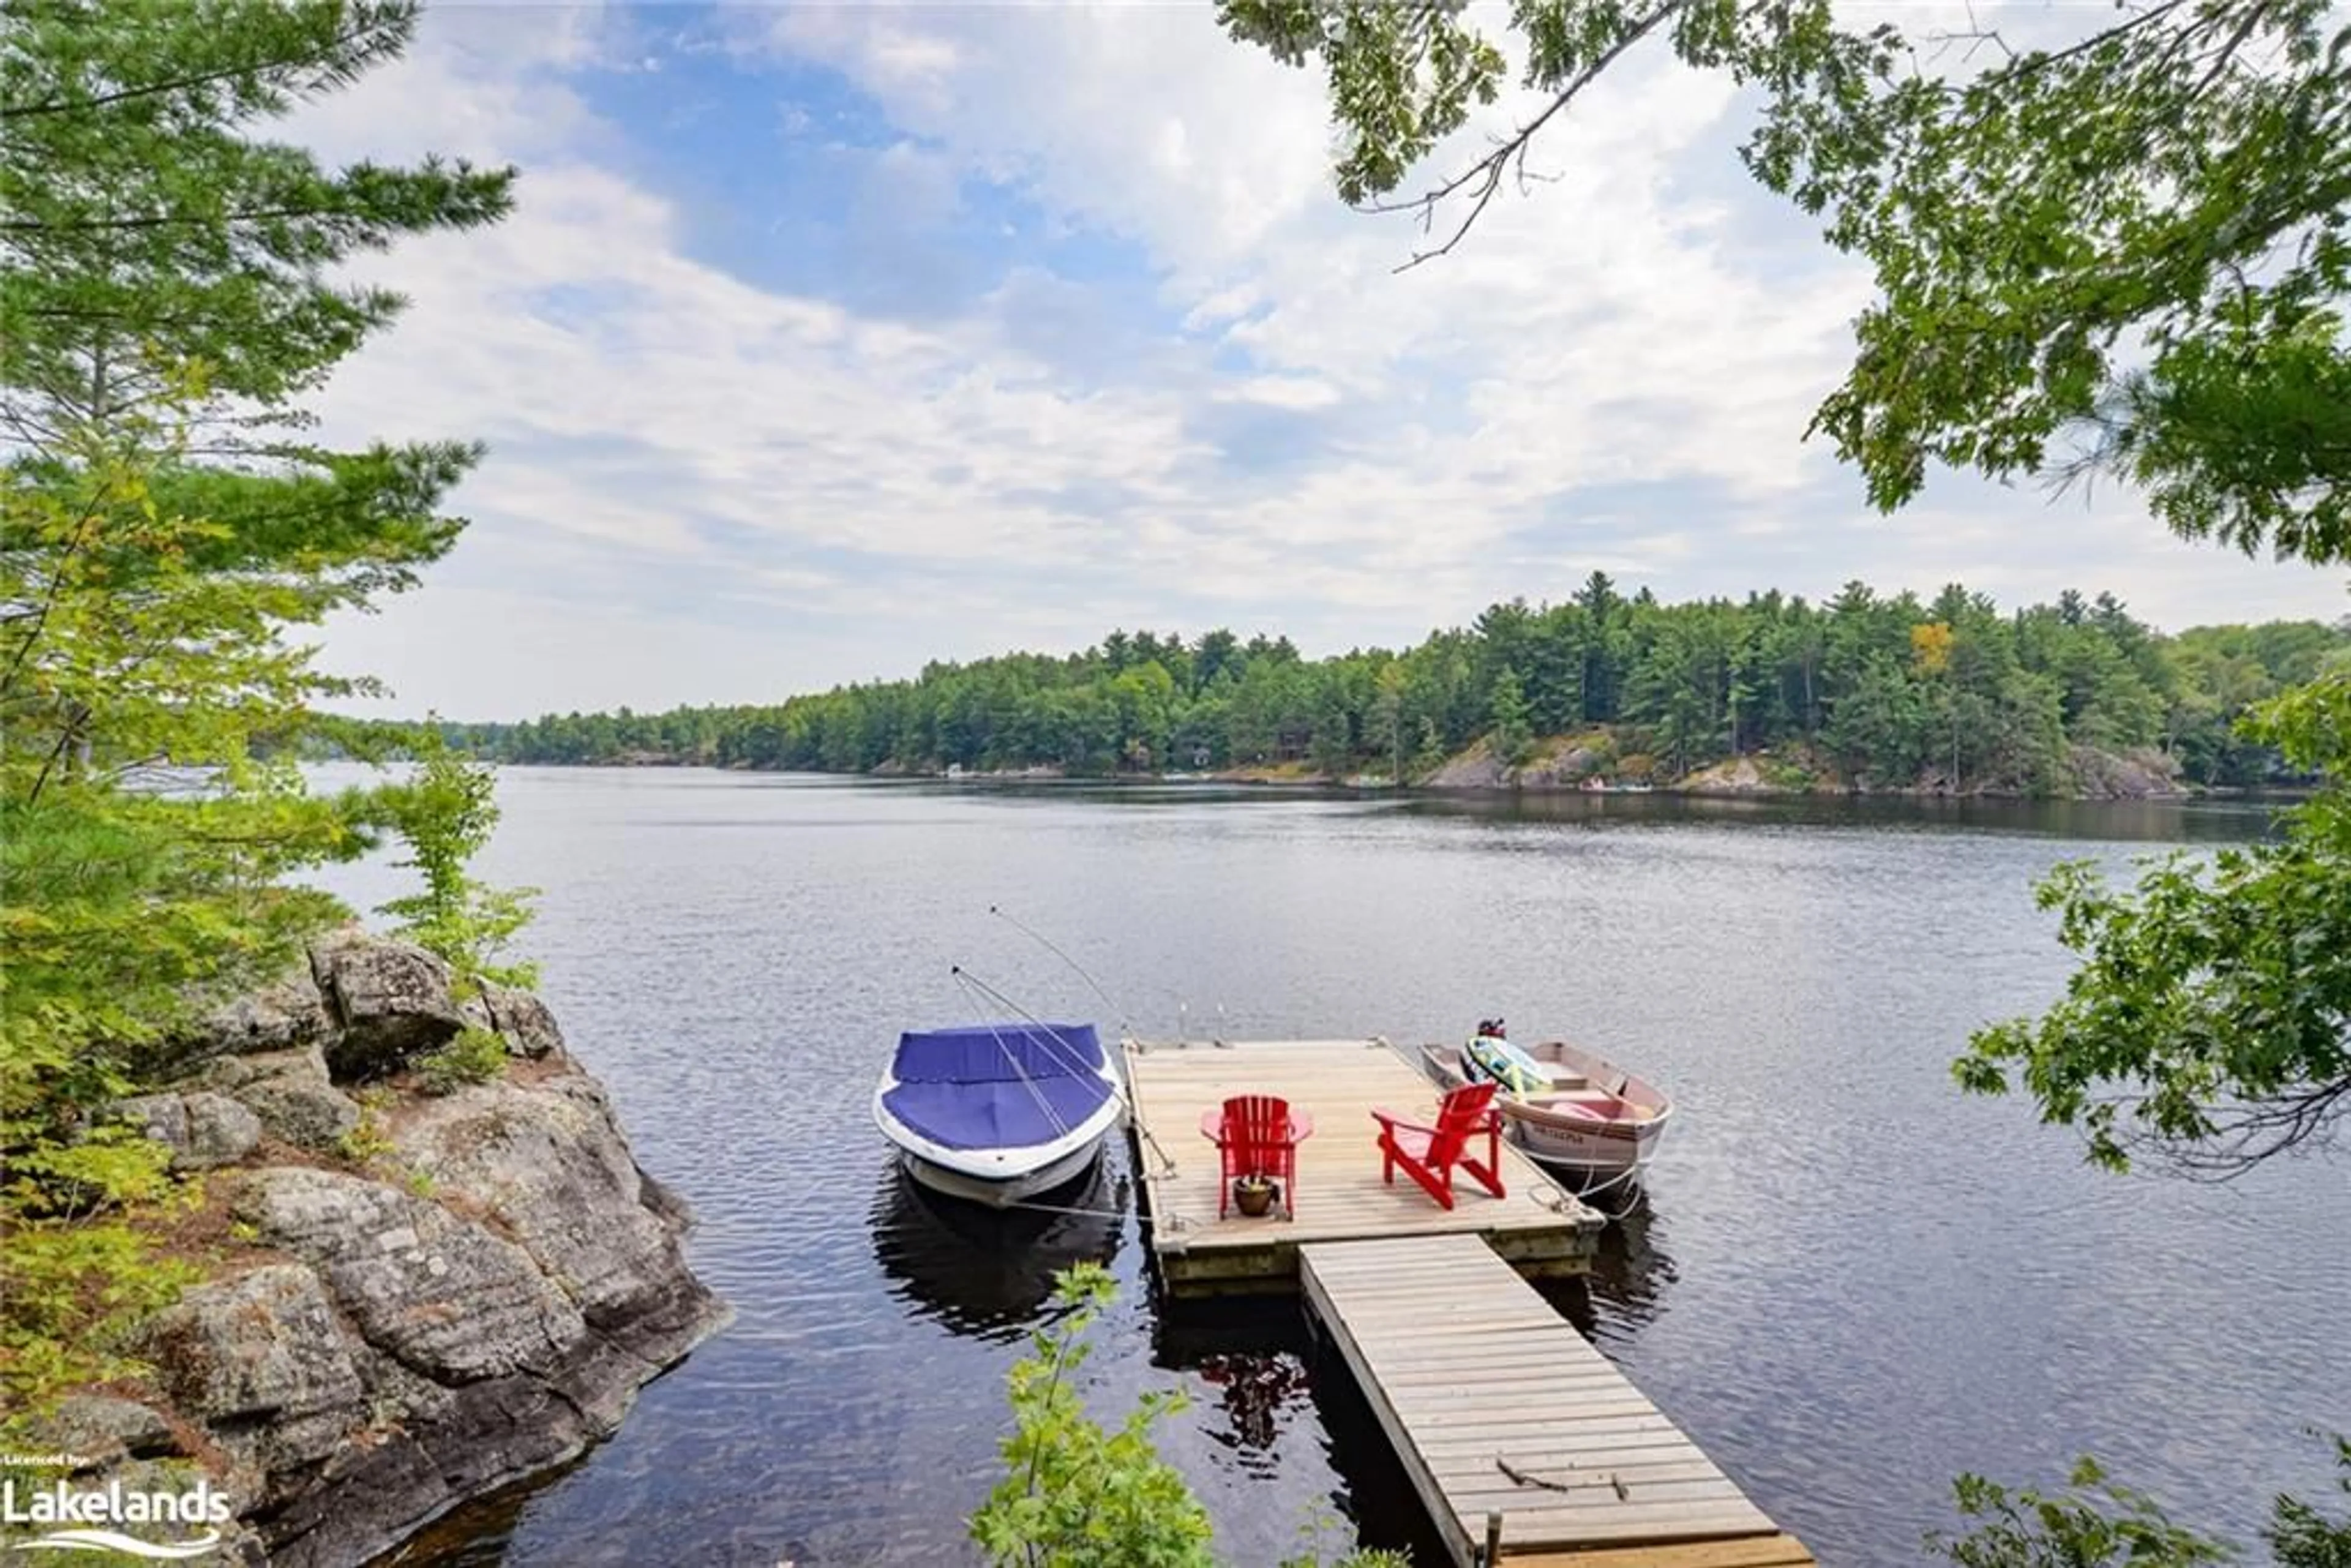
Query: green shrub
{"x": 2301, "y": 1536}
{"x": 445, "y": 812}
{"x": 366, "y": 1142}
{"x": 2094, "y": 1523}
{"x": 474, "y": 1056}
{"x": 1320, "y": 1522}
{"x": 77, "y": 1278}
{"x": 1074, "y": 1495}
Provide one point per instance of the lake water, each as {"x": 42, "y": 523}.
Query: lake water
{"x": 1848, "y": 1282}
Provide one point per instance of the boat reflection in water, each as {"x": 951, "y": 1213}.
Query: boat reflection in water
{"x": 1625, "y": 1292}
{"x": 988, "y": 1272}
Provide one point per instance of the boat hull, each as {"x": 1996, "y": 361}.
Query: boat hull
{"x": 1001, "y": 1192}
{"x": 1001, "y": 1175}
{"x": 1561, "y": 1132}
{"x": 1605, "y": 1152}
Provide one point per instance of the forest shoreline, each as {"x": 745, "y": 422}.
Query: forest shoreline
{"x": 1863, "y": 694}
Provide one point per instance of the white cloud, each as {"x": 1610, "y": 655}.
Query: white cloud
{"x": 858, "y": 493}
{"x": 1282, "y": 391}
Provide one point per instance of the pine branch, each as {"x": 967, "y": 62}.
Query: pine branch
{"x": 398, "y": 19}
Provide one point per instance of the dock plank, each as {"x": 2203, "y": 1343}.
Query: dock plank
{"x": 1466, "y": 1369}
{"x": 1761, "y": 1552}
{"x": 1538, "y": 1225}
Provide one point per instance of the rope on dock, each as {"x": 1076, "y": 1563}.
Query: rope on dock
{"x": 1557, "y": 1200}
{"x": 1058, "y": 1209}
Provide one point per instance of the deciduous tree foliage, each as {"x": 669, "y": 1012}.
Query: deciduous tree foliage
{"x": 2211, "y": 1023}
{"x": 2095, "y": 1523}
{"x": 2125, "y": 251}
{"x": 1075, "y": 1494}
{"x": 444, "y": 814}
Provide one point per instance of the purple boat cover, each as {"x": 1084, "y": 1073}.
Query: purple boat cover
{"x": 997, "y": 1086}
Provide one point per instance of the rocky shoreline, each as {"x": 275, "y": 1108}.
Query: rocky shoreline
{"x": 2096, "y": 775}
{"x": 1563, "y": 767}
{"x": 411, "y": 1299}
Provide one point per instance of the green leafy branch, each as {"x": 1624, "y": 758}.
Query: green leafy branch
{"x": 1075, "y": 1495}
{"x": 445, "y": 812}
{"x": 2210, "y": 1024}
{"x": 2093, "y": 1522}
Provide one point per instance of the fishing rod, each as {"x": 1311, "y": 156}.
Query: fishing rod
{"x": 1125, "y": 1020}
{"x": 972, "y": 982}
{"x": 1054, "y": 1042}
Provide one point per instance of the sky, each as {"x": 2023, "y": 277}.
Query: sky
{"x": 827, "y": 341}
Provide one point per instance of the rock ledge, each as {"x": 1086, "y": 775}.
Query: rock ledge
{"x": 429, "y": 1297}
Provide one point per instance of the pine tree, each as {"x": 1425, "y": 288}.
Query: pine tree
{"x": 163, "y": 309}
{"x": 146, "y": 228}
{"x": 1507, "y": 711}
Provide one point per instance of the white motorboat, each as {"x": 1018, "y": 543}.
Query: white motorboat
{"x": 997, "y": 1113}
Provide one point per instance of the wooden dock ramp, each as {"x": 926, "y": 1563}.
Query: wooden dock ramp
{"x": 1496, "y": 1403}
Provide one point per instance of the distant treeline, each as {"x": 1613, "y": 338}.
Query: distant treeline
{"x": 1885, "y": 692}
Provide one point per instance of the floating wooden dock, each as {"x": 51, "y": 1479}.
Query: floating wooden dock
{"x": 1499, "y": 1407}
{"x": 1540, "y": 1226}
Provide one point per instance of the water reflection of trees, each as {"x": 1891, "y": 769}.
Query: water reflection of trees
{"x": 1259, "y": 1395}
{"x": 2234, "y": 820}
{"x": 1265, "y": 1380}
{"x": 988, "y": 1273}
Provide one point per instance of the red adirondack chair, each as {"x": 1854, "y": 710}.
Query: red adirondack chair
{"x": 1257, "y": 1136}
{"x": 1431, "y": 1154}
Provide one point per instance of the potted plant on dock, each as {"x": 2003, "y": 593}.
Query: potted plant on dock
{"x": 1253, "y": 1195}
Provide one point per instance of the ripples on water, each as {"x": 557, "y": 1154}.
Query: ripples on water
{"x": 1847, "y": 1282}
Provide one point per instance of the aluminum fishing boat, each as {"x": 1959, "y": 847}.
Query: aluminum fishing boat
{"x": 1578, "y": 1113}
